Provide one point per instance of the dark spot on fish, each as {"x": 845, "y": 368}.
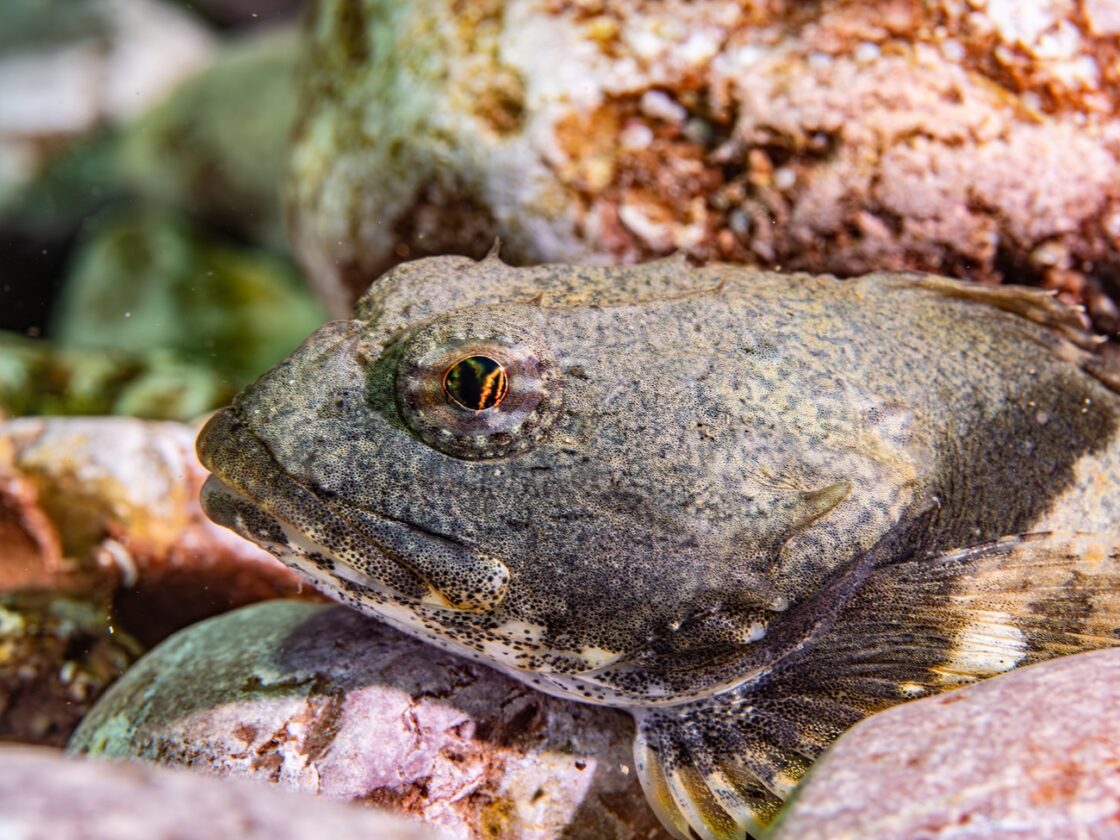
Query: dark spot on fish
{"x": 1006, "y": 495}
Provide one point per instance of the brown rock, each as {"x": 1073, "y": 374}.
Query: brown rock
{"x": 109, "y": 507}
{"x": 46, "y": 796}
{"x": 836, "y": 137}
{"x": 57, "y": 656}
{"x": 324, "y": 700}
{"x": 1034, "y": 753}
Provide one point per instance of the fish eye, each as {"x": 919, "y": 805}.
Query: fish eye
{"x": 476, "y": 390}
{"x": 476, "y": 383}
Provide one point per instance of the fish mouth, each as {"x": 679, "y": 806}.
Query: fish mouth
{"x": 355, "y": 554}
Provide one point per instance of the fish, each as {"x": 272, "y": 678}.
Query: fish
{"x": 749, "y": 508}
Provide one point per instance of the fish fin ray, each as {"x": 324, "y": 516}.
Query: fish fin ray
{"x": 931, "y": 624}
{"x": 725, "y": 778}
{"x": 657, "y": 789}
{"x": 1042, "y": 306}
{"x": 724, "y": 764}
{"x": 1034, "y": 596}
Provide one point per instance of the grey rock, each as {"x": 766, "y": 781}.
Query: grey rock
{"x": 218, "y": 145}
{"x": 46, "y": 796}
{"x": 1034, "y": 753}
{"x": 323, "y": 700}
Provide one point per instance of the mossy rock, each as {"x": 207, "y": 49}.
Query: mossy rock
{"x": 148, "y": 281}
{"x": 39, "y": 378}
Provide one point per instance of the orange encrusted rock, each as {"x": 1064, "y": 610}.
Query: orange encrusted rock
{"x": 975, "y": 140}
{"x": 107, "y": 508}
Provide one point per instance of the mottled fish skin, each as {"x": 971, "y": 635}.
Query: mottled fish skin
{"x": 692, "y": 484}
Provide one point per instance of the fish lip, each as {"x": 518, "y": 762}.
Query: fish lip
{"x": 226, "y": 433}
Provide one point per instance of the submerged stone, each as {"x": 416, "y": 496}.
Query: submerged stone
{"x": 218, "y": 146}
{"x": 143, "y": 281}
{"x": 38, "y": 377}
{"x": 827, "y": 137}
{"x": 108, "y": 508}
{"x": 1033, "y": 753}
{"x": 45, "y": 794}
{"x": 323, "y": 700}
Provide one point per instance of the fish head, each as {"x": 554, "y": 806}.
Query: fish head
{"x": 512, "y": 463}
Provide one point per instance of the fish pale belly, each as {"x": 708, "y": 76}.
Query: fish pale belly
{"x": 1091, "y": 503}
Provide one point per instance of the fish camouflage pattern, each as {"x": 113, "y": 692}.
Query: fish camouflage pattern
{"x": 749, "y": 508}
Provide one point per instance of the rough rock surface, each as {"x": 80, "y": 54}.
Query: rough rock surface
{"x": 109, "y": 506}
{"x": 46, "y": 796}
{"x": 972, "y": 139}
{"x": 56, "y": 658}
{"x": 1034, "y": 753}
{"x": 324, "y": 700}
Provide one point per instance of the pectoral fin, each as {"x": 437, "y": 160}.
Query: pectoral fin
{"x": 720, "y": 767}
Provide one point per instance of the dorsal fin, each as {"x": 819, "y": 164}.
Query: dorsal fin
{"x": 1041, "y": 306}
{"x": 495, "y": 252}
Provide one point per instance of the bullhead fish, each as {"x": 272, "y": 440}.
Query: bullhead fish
{"x": 750, "y": 508}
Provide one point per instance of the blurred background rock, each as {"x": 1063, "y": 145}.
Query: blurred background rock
{"x": 183, "y": 138}
{"x": 143, "y": 273}
{"x": 143, "y": 265}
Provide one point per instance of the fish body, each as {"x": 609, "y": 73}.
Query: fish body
{"x": 749, "y": 507}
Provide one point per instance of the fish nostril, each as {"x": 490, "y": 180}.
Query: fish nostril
{"x": 343, "y": 402}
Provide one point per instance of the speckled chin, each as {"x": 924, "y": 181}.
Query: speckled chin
{"x": 337, "y": 552}
{"x": 501, "y": 646}
{"x": 435, "y": 586}
{"x": 597, "y": 676}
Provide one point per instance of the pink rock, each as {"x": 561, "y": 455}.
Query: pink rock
{"x": 108, "y": 507}
{"x": 1031, "y": 754}
{"x": 324, "y": 700}
{"x": 45, "y": 795}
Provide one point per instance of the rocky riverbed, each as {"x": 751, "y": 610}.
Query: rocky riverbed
{"x": 164, "y": 244}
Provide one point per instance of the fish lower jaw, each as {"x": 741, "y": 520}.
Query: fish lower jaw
{"x": 385, "y": 607}
{"x": 423, "y": 617}
{"x": 395, "y": 610}
{"x": 229, "y": 506}
{"x": 341, "y": 582}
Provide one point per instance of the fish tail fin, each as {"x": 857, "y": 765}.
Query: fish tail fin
{"x": 720, "y": 768}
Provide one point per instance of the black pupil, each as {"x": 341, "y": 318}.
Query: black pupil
{"x": 476, "y": 382}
